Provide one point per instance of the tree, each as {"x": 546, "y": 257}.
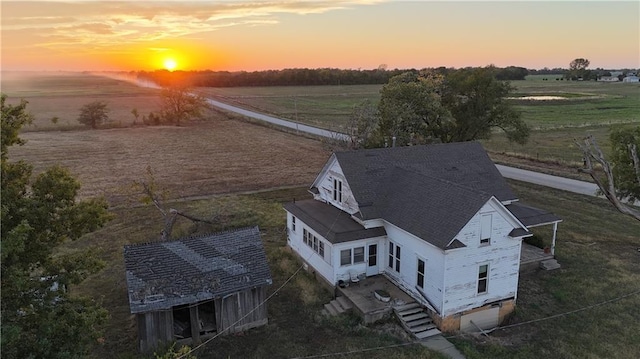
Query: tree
{"x": 39, "y": 317}
{"x": 461, "y": 105}
{"x": 410, "y": 109}
{"x": 94, "y": 114}
{"x": 621, "y": 174}
{"x": 578, "y": 69}
{"x": 478, "y": 103}
{"x": 362, "y": 125}
{"x": 179, "y": 105}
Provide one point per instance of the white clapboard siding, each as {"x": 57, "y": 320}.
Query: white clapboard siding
{"x": 462, "y": 265}
{"x": 413, "y": 248}
{"x": 325, "y": 184}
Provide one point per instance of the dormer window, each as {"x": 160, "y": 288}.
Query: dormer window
{"x": 337, "y": 190}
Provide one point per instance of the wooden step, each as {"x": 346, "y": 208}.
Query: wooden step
{"x": 410, "y": 318}
{"x": 407, "y": 312}
{"x": 330, "y": 308}
{"x": 427, "y": 333}
{"x": 418, "y": 322}
{"x": 549, "y": 264}
{"x": 344, "y": 303}
{"x": 407, "y": 306}
{"x": 422, "y": 328}
{"x": 336, "y": 306}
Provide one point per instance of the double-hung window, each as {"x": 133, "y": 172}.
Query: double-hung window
{"x": 345, "y": 257}
{"x": 421, "y": 271}
{"x": 313, "y": 242}
{"x": 358, "y": 255}
{"x": 337, "y": 190}
{"x": 293, "y": 223}
{"x": 483, "y": 278}
{"x": 394, "y": 256}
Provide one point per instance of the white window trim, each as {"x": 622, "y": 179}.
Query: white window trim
{"x": 486, "y": 279}
{"x": 393, "y": 254}
{"x": 350, "y": 257}
{"x": 424, "y": 272}
{"x": 293, "y": 223}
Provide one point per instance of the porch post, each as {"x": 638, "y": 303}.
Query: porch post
{"x": 553, "y": 241}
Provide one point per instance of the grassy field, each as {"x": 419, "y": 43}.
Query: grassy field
{"x": 587, "y": 108}
{"x": 61, "y": 95}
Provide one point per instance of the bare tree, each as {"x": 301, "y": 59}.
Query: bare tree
{"x": 592, "y": 153}
{"x": 152, "y": 194}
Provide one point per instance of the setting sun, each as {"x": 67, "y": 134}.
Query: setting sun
{"x": 170, "y": 64}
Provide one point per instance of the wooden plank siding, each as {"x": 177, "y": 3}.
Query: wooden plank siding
{"x": 234, "y": 313}
{"x": 154, "y": 329}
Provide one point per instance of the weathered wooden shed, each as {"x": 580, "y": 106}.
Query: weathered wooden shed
{"x": 192, "y": 288}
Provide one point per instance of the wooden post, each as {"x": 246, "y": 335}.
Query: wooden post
{"x": 553, "y": 241}
{"x": 195, "y": 324}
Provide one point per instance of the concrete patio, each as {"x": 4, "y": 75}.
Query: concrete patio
{"x": 364, "y": 301}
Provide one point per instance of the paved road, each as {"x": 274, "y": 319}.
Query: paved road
{"x": 280, "y": 122}
{"x": 566, "y": 184}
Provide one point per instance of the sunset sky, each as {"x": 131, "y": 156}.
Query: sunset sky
{"x": 276, "y": 34}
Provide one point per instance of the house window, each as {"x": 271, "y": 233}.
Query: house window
{"x": 483, "y": 278}
{"x": 293, "y": 223}
{"x": 420, "y": 281}
{"x": 313, "y": 242}
{"x": 337, "y": 190}
{"x": 485, "y": 229}
{"x": 394, "y": 256}
{"x": 358, "y": 255}
{"x": 345, "y": 257}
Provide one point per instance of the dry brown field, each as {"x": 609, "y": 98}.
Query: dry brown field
{"x": 219, "y": 155}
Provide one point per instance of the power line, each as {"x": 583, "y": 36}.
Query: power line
{"x": 560, "y": 314}
{"x": 259, "y": 305}
{"x": 357, "y": 351}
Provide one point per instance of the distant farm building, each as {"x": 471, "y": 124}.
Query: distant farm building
{"x": 631, "y": 78}
{"x": 609, "y": 79}
{"x": 197, "y": 287}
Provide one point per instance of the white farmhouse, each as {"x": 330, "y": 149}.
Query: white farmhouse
{"x": 439, "y": 221}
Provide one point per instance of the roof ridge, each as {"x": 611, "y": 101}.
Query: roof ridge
{"x": 461, "y": 186}
{"x": 197, "y": 236}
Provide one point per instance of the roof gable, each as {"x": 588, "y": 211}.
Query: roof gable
{"x": 161, "y": 275}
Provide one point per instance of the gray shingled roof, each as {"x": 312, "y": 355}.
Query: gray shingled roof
{"x": 161, "y": 275}
{"x": 429, "y": 208}
{"x": 531, "y": 216}
{"x": 430, "y": 191}
{"x": 334, "y": 225}
{"x": 464, "y": 163}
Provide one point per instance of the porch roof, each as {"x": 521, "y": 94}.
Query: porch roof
{"x": 330, "y": 222}
{"x": 531, "y": 216}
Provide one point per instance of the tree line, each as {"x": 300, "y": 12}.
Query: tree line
{"x": 298, "y": 77}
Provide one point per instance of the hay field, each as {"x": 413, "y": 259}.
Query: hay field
{"x": 62, "y": 94}
{"x": 219, "y": 155}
